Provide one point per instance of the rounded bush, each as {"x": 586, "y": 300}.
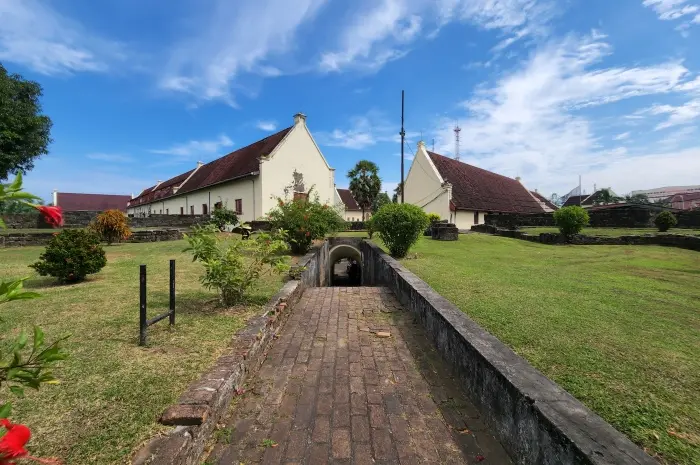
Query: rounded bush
{"x": 222, "y": 217}
{"x": 433, "y": 217}
{"x": 111, "y": 226}
{"x": 399, "y": 225}
{"x": 665, "y": 221}
{"x": 71, "y": 255}
{"x": 571, "y": 220}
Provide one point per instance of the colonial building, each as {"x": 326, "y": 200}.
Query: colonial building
{"x": 351, "y": 209}
{"x": 462, "y": 193}
{"x": 544, "y": 202}
{"x": 589, "y": 200}
{"x": 247, "y": 180}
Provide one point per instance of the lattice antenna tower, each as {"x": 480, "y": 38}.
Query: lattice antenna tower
{"x": 457, "y": 130}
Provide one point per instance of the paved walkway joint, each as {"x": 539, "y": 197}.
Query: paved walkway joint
{"x": 334, "y": 391}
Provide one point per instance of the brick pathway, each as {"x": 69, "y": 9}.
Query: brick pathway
{"x": 331, "y": 391}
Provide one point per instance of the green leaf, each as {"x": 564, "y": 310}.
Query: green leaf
{"x": 18, "y": 391}
{"x": 5, "y": 410}
{"x": 22, "y": 340}
{"x": 38, "y": 337}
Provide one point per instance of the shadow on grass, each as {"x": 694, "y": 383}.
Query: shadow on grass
{"x": 201, "y": 304}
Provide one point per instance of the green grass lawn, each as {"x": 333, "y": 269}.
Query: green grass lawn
{"x": 613, "y": 231}
{"x": 616, "y": 326}
{"x": 112, "y": 391}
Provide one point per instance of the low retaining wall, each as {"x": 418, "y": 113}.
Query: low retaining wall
{"x": 198, "y": 410}
{"x": 29, "y": 239}
{"x": 536, "y": 420}
{"x": 173, "y": 221}
{"x": 668, "y": 240}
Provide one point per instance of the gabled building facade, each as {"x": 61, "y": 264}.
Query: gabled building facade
{"x": 72, "y": 202}
{"x": 247, "y": 180}
{"x": 351, "y": 209}
{"x": 462, "y": 193}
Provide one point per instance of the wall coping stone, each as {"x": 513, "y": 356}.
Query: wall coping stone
{"x": 537, "y": 421}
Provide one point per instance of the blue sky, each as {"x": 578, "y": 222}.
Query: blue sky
{"x": 542, "y": 89}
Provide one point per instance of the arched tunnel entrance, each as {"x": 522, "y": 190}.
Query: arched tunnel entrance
{"x": 345, "y": 262}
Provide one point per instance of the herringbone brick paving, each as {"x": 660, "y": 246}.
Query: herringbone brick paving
{"x": 332, "y": 391}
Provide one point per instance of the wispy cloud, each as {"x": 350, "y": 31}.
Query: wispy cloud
{"x": 531, "y": 123}
{"x": 364, "y": 131}
{"x": 238, "y": 39}
{"x": 110, "y": 157}
{"x": 673, "y": 9}
{"x": 266, "y": 125}
{"x": 196, "y": 148}
{"x": 623, "y": 136}
{"x": 35, "y": 35}
{"x": 677, "y": 115}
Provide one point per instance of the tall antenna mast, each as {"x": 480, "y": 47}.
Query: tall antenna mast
{"x": 457, "y": 131}
{"x": 403, "y": 136}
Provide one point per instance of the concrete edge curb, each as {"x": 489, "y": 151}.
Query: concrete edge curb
{"x": 197, "y": 411}
{"x": 536, "y": 420}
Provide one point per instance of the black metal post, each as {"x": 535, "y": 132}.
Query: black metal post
{"x": 143, "y": 323}
{"x": 172, "y": 292}
{"x": 403, "y": 135}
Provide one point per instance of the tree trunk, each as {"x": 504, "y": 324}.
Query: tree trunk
{"x": 363, "y": 214}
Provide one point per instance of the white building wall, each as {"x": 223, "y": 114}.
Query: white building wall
{"x": 355, "y": 215}
{"x": 464, "y": 219}
{"x": 299, "y": 152}
{"x": 424, "y": 186}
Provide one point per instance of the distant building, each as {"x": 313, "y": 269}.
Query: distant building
{"x": 247, "y": 180}
{"x": 545, "y": 203}
{"x": 663, "y": 193}
{"x": 72, "y": 202}
{"x": 586, "y": 200}
{"x": 686, "y": 201}
{"x": 352, "y": 210}
{"x": 462, "y": 193}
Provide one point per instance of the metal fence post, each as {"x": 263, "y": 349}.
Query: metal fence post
{"x": 143, "y": 323}
{"x": 172, "y": 292}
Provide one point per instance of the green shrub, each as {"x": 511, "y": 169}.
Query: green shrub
{"x": 222, "y": 217}
{"x": 399, "y": 225}
{"x": 71, "y": 255}
{"x": 369, "y": 225}
{"x": 111, "y": 226}
{"x": 233, "y": 266}
{"x": 665, "y": 221}
{"x": 433, "y": 217}
{"x": 304, "y": 220}
{"x": 571, "y": 220}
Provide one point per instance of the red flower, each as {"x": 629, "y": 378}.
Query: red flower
{"x": 12, "y": 443}
{"x": 52, "y": 215}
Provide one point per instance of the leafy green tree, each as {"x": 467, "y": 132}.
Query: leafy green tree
{"x": 397, "y": 193}
{"x": 571, "y": 220}
{"x": 606, "y": 197}
{"x": 24, "y": 131}
{"x": 399, "y": 226}
{"x": 381, "y": 200}
{"x": 365, "y": 184}
{"x": 665, "y": 221}
{"x": 638, "y": 199}
{"x": 71, "y": 255}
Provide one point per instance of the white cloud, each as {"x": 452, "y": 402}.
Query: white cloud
{"x": 532, "y": 122}
{"x": 35, "y": 35}
{"x": 385, "y": 31}
{"x": 365, "y": 131}
{"x": 266, "y": 125}
{"x": 672, "y": 9}
{"x": 238, "y": 38}
{"x": 195, "y": 148}
{"x": 677, "y": 115}
{"x": 109, "y": 157}
{"x": 623, "y": 136}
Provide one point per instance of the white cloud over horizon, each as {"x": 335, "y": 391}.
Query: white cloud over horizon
{"x": 196, "y": 148}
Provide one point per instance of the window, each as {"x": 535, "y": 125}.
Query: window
{"x": 239, "y": 206}
{"x": 160, "y": 211}
{"x": 191, "y": 209}
{"x": 204, "y": 209}
{"x": 476, "y": 217}
{"x": 182, "y": 210}
{"x": 167, "y": 211}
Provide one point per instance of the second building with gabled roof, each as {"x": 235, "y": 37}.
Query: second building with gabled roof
{"x": 247, "y": 180}
{"x": 462, "y": 193}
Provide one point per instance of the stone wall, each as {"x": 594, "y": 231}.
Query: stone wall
{"x": 669, "y": 240}
{"x": 633, "y": 216}
{"x": 36, "y": 221}
{"x": 536, "y": 420}
{"x": 173, "y": 221}
{"x": 195, "y": 415}
{"x": 29, "y": 239}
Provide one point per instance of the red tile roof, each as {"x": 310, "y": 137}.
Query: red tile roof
{"x": 348, "y": 199}
{"x": 71, "y": 202}
{"x": 481, "y": 190}
{"x": 544, "y": 200}
{"x": 236, "y": 164}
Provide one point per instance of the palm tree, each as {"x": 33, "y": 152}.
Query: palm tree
{"x": 365, "y": 184}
